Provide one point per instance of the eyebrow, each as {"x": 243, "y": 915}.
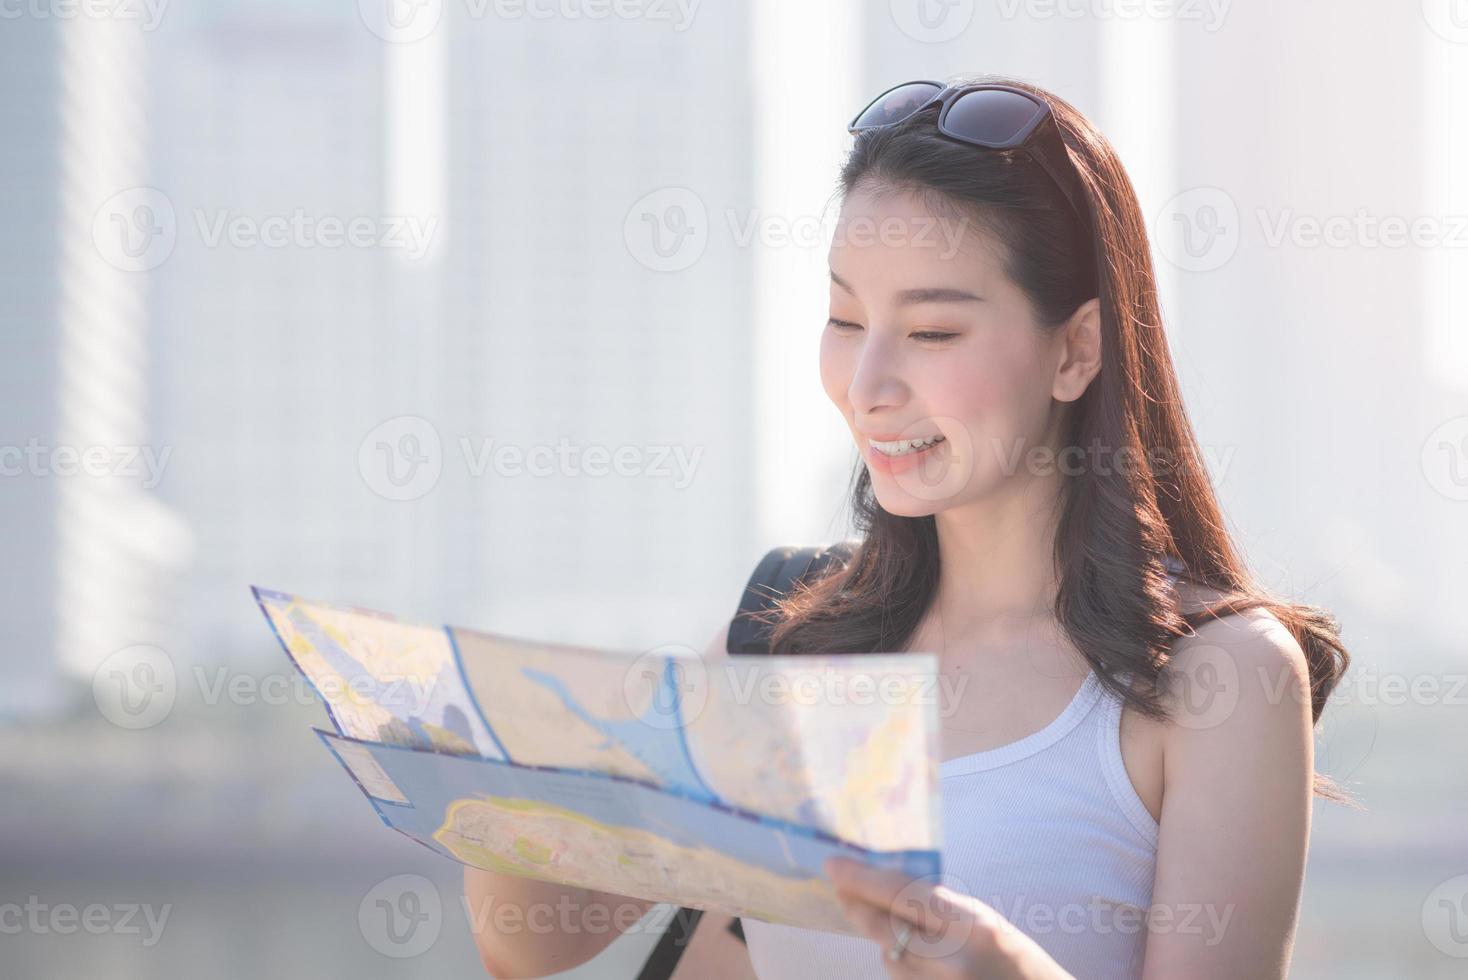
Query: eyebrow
{"x": 929, "y": 294}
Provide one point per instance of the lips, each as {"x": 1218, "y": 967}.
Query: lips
{"x": 879, "y": 461}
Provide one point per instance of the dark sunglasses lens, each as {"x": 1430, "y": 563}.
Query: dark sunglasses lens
{"x": 897, "y": 104}
{"x": 992, "y": 116}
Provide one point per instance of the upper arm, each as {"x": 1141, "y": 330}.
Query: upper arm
{"x": 1238, "y": 767}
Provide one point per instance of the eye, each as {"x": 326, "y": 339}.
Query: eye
{"x": 929, "y": 336}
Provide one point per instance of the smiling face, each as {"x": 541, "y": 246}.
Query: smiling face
{"x": 929, "y": 339}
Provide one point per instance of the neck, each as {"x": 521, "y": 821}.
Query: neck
{"x": 997, "y": 561}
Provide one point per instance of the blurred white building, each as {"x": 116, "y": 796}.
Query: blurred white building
{"x": 92, "y": 554}
{"x": 540, "y": 320}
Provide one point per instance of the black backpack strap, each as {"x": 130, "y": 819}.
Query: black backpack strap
{"x": 663, "y": 959}
{"x": 777, "y": 572}
{"x": 774, "y": 577}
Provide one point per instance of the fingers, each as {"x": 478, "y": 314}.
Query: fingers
{"x": 869, "y": 920}
{"x": 913, "y": 900}
{"x": 881, "y": 928}
{"x": 949, "y": 927}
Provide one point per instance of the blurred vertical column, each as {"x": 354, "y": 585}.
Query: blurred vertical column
{"x": 31, "y": 154}
{"x": 1138, "y": 114}
{"x": 90, "y": 549}
{"x": 807, "y": 68}
{"x": 414, "y": 52}
{"x": 1445, "y": 286}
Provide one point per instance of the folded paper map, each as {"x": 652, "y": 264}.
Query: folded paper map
{"x": 720, "y": 784}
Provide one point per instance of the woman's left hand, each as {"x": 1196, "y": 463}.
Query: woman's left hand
{"x": 949, "y": 934}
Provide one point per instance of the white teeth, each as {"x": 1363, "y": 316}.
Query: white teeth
{"x": 903, "y": 446}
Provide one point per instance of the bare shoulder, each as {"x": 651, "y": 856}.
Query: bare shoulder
{"x": 1242, "y": 666}
{"x": 1251, "y": 638}
{"x": 1235, "y": 666}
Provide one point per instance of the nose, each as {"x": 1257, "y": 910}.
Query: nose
{"x": 877, "y": 382}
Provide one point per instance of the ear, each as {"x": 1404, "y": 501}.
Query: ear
{"x": 1080, "y": 352}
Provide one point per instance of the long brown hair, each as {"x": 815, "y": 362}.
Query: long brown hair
{"x": 1117, "y": 526}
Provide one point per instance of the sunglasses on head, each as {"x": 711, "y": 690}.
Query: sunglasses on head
{"x": 996, "y": 117}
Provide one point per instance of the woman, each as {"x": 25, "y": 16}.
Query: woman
{"x": 1119, "y": 748}
{"x": 1127, "y": 758}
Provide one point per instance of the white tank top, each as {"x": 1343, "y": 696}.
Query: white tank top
{"x": 1048, "y": 830}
